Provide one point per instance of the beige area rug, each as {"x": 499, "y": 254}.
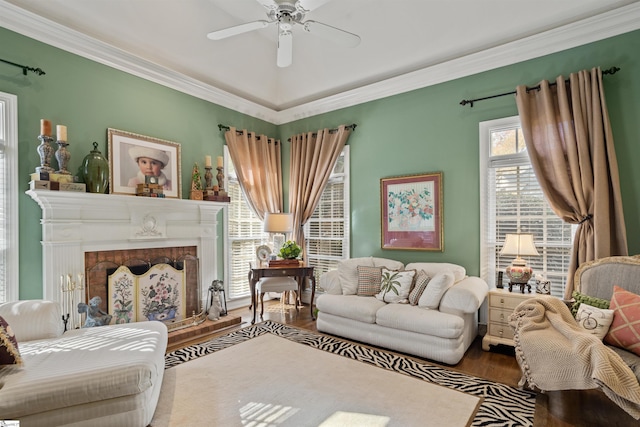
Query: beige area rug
{"x": 271, "y": 381}
{"x": 272, "y": 375}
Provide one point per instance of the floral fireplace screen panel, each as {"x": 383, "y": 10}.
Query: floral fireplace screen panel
{"x": 158, "y": 294}
{"x": 411, "y": 208}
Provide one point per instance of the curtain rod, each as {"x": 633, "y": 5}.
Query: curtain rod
{"x": 25, "y": 68}
{"x": 222, "y": 127}
{"x": 351, "y": 127}
{"x": 464, "y": 102}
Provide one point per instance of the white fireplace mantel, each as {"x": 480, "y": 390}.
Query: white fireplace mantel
{"x": 75, "y": 223}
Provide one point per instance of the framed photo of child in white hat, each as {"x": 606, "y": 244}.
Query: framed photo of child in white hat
{"x": 137, "y": 159}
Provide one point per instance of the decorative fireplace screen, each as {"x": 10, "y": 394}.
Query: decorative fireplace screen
{"x": 157, "y": 294}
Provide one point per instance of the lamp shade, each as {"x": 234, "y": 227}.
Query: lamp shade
{"x": 278, "y": 222}
{"x": 519, "y": 244}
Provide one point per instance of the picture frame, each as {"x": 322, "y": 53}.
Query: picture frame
{"x": 124, "y": 172}
{"x": 411, "y": 212}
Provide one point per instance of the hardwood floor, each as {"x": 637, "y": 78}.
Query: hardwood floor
{"x": 583, "y": 408}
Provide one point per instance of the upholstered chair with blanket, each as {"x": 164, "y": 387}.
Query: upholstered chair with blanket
{"x": 590, "y": 342}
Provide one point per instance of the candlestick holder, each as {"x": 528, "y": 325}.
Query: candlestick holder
{"x": 208, "y": 178}
{"x": 63, "y": 156}
{"x": 65, "y": 319}
{"x": 45, "y": 151}
{"x": 220, "y": 178}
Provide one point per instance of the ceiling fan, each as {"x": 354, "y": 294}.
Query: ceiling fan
{"x": 286, "y": 14}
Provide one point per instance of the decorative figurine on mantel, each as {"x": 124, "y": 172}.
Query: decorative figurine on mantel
{"x": 62, "y": 154}
{"x": 208, "y": 176}
{"x": 196, "y": 184}
{"x": 95, "y": 315}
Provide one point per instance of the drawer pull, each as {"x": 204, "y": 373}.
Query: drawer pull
{"x": 501, "y": 332}
{"x": 501, "y": 316}
{"x": 501, "y": 300}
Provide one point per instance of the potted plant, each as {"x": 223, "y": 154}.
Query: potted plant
{"x": 290, "y": 250}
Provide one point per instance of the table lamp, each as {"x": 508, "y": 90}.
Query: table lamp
{"x": 278, "y": 224}
{"x": 519, "y": 244}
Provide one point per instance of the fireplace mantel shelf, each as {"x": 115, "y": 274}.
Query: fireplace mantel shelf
{"x": 73, "y": 205}
{"x": 75, "y": 223}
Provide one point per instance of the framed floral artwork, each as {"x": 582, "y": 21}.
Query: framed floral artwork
{"x": 122, "y": 295}
{"x": 161, "y": 294}
{"x": 411, "y": 211}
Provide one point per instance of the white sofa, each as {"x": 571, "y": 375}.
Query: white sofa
{"x": 442, "y": 333}
{"x": 101, "y": 376}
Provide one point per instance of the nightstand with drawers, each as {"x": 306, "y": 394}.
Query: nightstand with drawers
{"x": 501, "y": 305}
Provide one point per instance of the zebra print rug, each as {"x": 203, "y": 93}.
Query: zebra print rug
{"x": 501, "y": 405}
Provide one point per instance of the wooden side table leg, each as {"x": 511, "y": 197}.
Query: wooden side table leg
{"x": 313, "y": 294}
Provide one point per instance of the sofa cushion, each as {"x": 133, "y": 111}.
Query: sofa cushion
{"x": 396, "y": 285}
{"x": 84, "y": 366}
{"x": 348, "y": 272}
{"x": 362, "y": 309}
{"x": 419, "y": 285}
{"x": 369, "y": 279}
{"x": 33, "y": 319}
{"x": 420, "y": 320}
{"x": 9, "y": 354}
{"x": 391, "y": 264}
{"x": 594, "y": 320}
{"x": 433, "y": 268}
{"x": 436, "y": 288}
{"x": 625, "y": 328}
{"x": 580, "y": 298}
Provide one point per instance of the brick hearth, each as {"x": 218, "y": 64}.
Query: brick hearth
{"x": 185, "y": 336}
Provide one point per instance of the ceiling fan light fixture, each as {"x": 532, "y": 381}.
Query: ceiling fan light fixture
{"x": 285, "y": 49}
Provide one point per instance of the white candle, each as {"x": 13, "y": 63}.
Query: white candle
{"x": 61, "y": 131}
{"x": 220, "y": 161}
{"x": 207, "y": 161}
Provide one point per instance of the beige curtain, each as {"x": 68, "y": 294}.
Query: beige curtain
{"x": 258, "y": 164}
{"x": 570, "y": 143}
{"x": 313, "y": 157}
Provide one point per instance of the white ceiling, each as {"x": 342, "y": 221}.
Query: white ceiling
{"x": 418, "y": 42}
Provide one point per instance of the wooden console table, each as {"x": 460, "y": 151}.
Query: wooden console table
{"x": 299, "y": 273}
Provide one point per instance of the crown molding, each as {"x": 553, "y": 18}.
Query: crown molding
{"x": 609, "y": 24}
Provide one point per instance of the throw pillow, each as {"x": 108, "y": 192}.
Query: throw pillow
{"x": 594, "y": 320}
{"x": 369, "y": 279}
{"x": 421, "y": 282}
{"x": 436, "y": 288}
{"x": 625, "y": 328}
{"x": 592, "y": 301}
{"x": 9, "y": 354}
{"x": 396, "y": 285}
{"x": 348, "y": 273}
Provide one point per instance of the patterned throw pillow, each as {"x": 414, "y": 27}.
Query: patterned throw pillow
{"x": 369, "y": 279}
{"x": 592, "y": 301}
{"x": 421, "y": 282}
{"x": 625, "y": 328}
{"x": 396, "y": 285}
{"x": 9, "y": 354}
{"x": 594, "y": 320}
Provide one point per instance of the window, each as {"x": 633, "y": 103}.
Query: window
{"x": 512, "y": 201}
{"x": 327, "y": 231}
{"x": 244, "y": 234}
{"x": 8, "y": 197}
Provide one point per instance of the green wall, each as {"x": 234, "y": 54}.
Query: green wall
{"x": 89, "y": 98}
{"x": 425, "y": 130}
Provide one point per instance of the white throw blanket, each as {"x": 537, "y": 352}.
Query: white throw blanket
{"x": 555, "y": 353}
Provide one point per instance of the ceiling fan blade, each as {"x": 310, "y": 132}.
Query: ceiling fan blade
{"x": 334, "y": 34}
{"x": 268, "y": 4}
{"x": 285, "y": 49}
{"x": 308, "y": 5}
{"x": 237, "y": 29}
